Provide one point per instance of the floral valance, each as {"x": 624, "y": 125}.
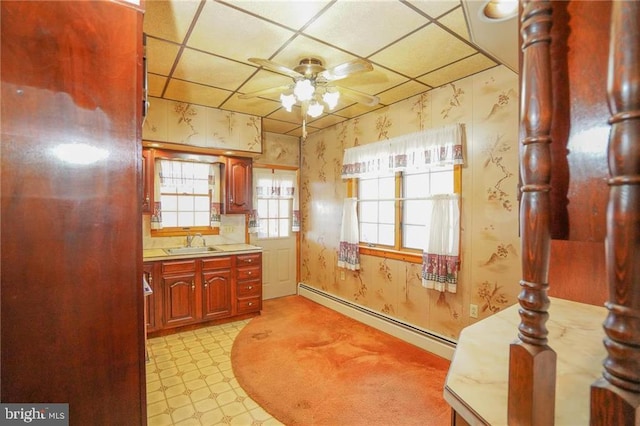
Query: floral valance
{"x": 415, "y": 151}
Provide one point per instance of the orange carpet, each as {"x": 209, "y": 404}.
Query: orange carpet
{"x": 309, "y": 365}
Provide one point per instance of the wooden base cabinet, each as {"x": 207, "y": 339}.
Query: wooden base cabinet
{"x": 249, "y": 283}
{"x": 216, "y": 287}
{"x": 179, "y": 293}
{"x": 192, "y": 291}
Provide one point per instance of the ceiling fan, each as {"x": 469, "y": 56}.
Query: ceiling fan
{"x": 312, "y": 85}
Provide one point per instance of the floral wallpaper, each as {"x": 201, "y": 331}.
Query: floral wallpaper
{"x": 487, "y": 103}
{"x": 187, "y": 124}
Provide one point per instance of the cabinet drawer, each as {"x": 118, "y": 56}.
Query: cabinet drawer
{"x": 249, "y": 304}
{"x": 248, "y": 259}
{"x": 216, "y": 263}
{"x": 249, "y": 288}
{"x": 178, "y": 266}
{"x": 249, "y": 273}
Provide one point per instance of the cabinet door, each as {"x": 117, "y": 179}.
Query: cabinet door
{"x": 150, "y": 300}
{"x": 238, "y": 185}
{"x": 216, "y": 294}
{"x": 179, "y": 299}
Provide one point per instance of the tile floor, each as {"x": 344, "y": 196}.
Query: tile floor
{"x": 190, "y": 381}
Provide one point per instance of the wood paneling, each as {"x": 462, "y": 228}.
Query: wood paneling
{"x": 72, "y": 301}
{"x": 579, "y": 132}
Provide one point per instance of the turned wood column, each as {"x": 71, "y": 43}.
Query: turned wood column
{"x": 615, "y": 398}
{"x": 532, "y": 363}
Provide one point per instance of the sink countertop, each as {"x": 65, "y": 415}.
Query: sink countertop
{"x": 221, "y": 250}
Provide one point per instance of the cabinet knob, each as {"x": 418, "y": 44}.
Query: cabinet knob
{"x": 250, "y": 303}
{"x": 249, "y": 287}
{"x": 249, "y": 273}
{"x": 249, "y": 260}
{"x": 193, "y": 285}
{"x": 206, "y": 285}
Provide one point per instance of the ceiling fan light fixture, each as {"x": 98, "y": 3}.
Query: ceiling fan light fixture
{"x": 331, "y": 98}
{"x": 304, "y": 90}
{"x": 315, "y": 109}
{"x": 288, "y": 101}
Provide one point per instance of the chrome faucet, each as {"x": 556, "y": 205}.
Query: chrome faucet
{"x": 191, "y": 237}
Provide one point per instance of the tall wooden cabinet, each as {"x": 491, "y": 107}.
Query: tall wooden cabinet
{"x": 71, "y": 297}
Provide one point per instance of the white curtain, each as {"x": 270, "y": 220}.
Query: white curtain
{"x": 415, "y": 151}
{"x": 441, "y": 255}
{"x": 280, "y": 185}
{"x": 156, "y": 216}
{"x": 349, "y": 255}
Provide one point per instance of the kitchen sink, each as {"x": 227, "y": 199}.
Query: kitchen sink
{"x": 189, "y": 250}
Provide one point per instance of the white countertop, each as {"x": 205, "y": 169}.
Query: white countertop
{"x": 477, "y": 382}
{"x": 221, "y": 250}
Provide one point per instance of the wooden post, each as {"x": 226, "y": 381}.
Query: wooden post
{"x": 615, "y": 398}
{"x": 532, "y": 363}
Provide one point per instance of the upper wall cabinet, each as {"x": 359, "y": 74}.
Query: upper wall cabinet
{"x": 238, "y": 193}
{"x": 194, "y": 125}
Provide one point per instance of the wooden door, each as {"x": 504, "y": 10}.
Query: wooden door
{"x": 279, "y": 251}
{"x": 179, "y": 299}
{"x": 72, "y": 305}
{"x": 216, "y": 294}
{"x": 238, "y": 185}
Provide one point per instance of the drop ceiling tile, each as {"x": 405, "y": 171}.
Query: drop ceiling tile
{"x": 325, "y": 121}
{"x": 403, "y": 91}
{"x": 356, "y": 110}
{"x": 435, "y": 8}
{"x": 254, "y": 106}
{"x": 277, "y": 126}
{"x": 169, "y": 20}
{"x": 211, "y": 70}
{"x": 383, "y": 22}
{"x": 425, "y": 50}
{"x": 458, "y": 70}
{"x": 265, "y": 80}
{"x": 161, "y": 56}
{"x": 235, "y": 34}
{"x": 292, "y": 14}
{"x": 192, "y": 93}
{"x": 155, "y": 84}
{"x": 290, "y": 117}
{"x": 456, "y": 22}
{"x": 372, "y": 82}
{"x": 303, "y": 47}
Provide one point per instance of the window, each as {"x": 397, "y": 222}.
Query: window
{"x": 392, "y": 209}
{"x": 275, "y": 194}
{"x": 186, "y": 193}
{"x": 274, "y": 218}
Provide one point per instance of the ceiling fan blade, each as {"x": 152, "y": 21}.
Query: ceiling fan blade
{"x": 273, "y": 66}
{"x": 263, "y": 92}
{"x": 360, "y": 97}
{"x": 345, "y": 70}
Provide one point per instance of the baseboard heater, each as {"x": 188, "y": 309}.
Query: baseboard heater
{"x": 416, "y": 336}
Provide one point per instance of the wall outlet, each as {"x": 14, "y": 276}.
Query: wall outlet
{"x": 342, "y": 275}
{"x": 473, "y": 311}
{"x": 228, "y": 229}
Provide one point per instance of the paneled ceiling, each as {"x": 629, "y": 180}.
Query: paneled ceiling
{"x": 198, "y": 51}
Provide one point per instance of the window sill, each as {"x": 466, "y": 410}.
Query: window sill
{"x": 405, "y": 256}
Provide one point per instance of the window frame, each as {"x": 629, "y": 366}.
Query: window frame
{"x": 173, "y": 231}
{"x": 397, "y": 251}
